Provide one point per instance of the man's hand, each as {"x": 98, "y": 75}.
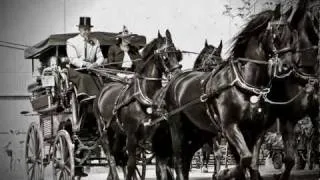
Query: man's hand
{"x": 86, "y": 64}
{"x": 93, "y": 65}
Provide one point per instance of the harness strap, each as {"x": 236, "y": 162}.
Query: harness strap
{"x": 267, "y": 100}
{"x": 242, "y": 84}
{"x": 109, "y": 75}
{"x": 118, "y": 106}
{"x": 165, "y": 116}
{"x": 252, "y": 61}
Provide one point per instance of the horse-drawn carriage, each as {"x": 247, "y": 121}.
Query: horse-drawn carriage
{"x": 64, "y": 134}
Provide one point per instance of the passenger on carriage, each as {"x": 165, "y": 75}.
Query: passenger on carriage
{"x": 84, "y": 51}
{"x": 123, "y": 55}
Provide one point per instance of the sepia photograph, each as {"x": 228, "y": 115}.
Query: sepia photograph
{"x": 160, "y": 90}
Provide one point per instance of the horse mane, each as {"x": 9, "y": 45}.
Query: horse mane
{"x": 314, "y": 38}
{"x": 149, "y": 49}
{"x": 254, "y": 27}
{"x": 152, "y": 46}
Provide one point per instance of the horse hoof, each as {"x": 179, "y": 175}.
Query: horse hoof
{"x": 221, "y": 174}
{"x": 214, "y": 176}
{"x": 204, "y": 170}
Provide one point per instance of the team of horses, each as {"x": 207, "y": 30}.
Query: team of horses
{"x": 272, "y": 72}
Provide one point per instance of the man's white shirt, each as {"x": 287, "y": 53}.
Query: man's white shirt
{"x": 76, "y": 51}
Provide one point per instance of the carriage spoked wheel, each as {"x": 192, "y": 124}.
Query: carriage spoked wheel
{"x": 141, "y": 166}
{"x": 34, "y": 153}
{"x": 63, "y": 159}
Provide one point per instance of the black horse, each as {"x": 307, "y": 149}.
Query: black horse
{"x": 209, "y": 57}
{"x": 228, "y": 99}
{"x": 122, "y": 107}
{"x": 207, "y": 60}
{"x": 299, "y": 87}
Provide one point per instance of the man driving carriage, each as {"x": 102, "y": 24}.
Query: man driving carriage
{"x": 84, "y": 51}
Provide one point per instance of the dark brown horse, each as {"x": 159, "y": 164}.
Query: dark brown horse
{"x": 228, "y": 99}
{"x": 299, "y": 87}
{"x": 122, "y": 107}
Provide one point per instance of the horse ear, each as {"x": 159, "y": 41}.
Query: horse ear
{"x": 297, "y": 13}
{"x": 159, "y": 34}
{"x": 277, "y": 11}
{"x": 206, "y": 43}
{"x": 168, "y": 35}
{"x": 220, "y": 46}
{"x": 288, "y": 12}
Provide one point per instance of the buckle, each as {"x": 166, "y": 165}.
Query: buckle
{"x": 204, "y": 97}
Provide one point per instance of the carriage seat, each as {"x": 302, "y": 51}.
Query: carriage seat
{"x": 35, "y": 86}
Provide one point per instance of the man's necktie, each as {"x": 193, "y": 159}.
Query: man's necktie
{"x": 85, "y": 50}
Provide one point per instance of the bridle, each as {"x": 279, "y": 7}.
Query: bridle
{"x": 292, "y": 48}
{"x": 163, "y": 54}
{"x": 212, "y": 56}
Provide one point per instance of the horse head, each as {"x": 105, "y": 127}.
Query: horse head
{"x": 209, "y": 57}
{"x": 169, "y": 55}
{"x": 304, "y": 21}
{"x": 295, "y": 38}
{"x": 161, "y": 56}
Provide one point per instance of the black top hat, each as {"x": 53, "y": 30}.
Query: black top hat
{"x": 85, "y": 22}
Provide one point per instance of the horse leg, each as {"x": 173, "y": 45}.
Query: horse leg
{"x": 124, "y": 170}
{"x": 204, "y": 161}
{"x": 131, "y": 148}
{"x": 313, "y": 145}
{"x": 161, "y": 168}
{"x": 177, "y": 138}
{"x": 111, "y": 160}
{"x": 217, "y": 156}
{"x": 186, "y": 163}
{"x": 254, "y": 169}
{"x": 237, "y": 140}
{"x": 289, "y": 148}
{"x": 235, "y": 172}
{"x": 207, "y": 159}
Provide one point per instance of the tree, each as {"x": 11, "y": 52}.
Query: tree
{"x": 245, "y": 8}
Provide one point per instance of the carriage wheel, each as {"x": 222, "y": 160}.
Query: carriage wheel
{"x": 141, "y": 166}
{"x": 277, "y": 160}
{"x": 63, "y": 159}
{"x": 34, "y": 153}
{"x": 74, "y": 107}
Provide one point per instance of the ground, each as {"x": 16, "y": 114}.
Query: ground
{"x": 100, "y": 173}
